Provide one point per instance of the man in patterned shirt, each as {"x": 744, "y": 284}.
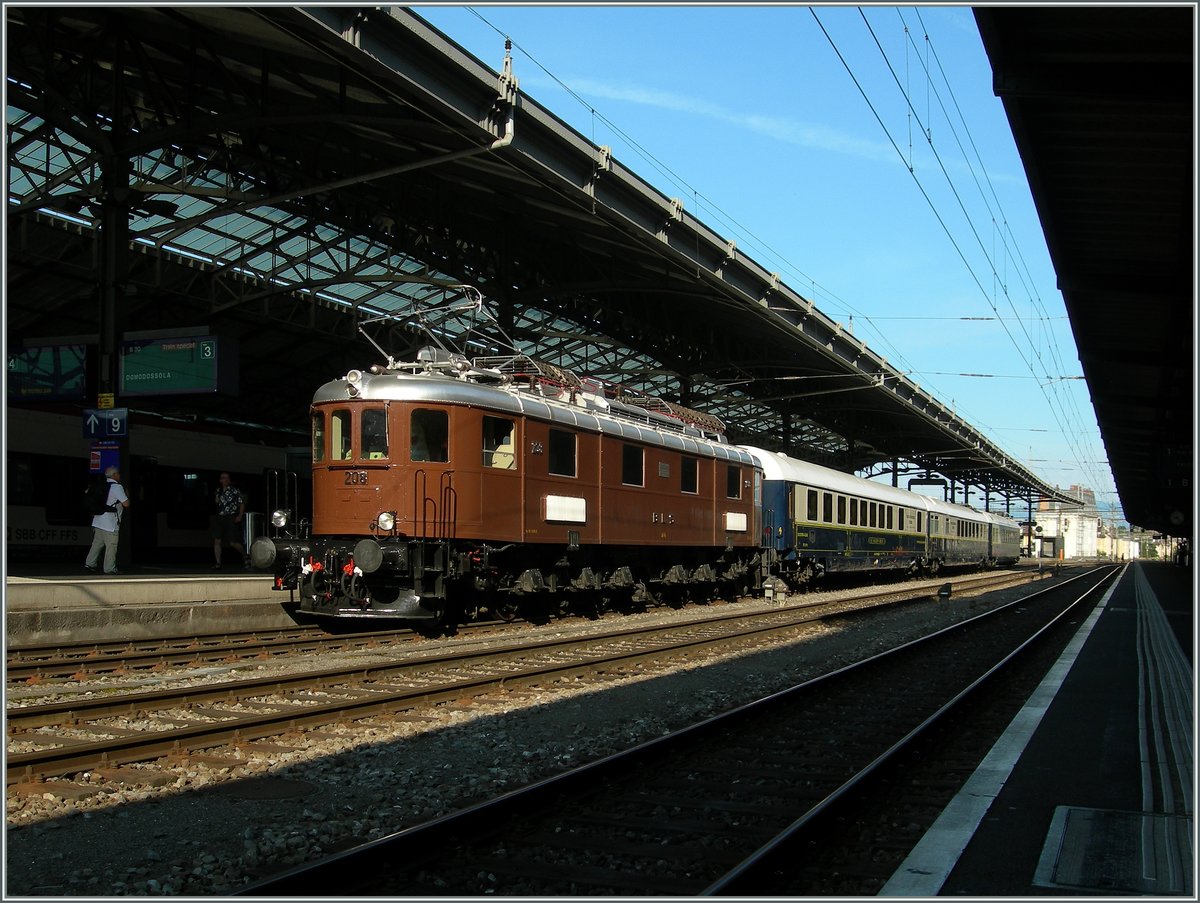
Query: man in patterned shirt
{"x": 227, "y": 522}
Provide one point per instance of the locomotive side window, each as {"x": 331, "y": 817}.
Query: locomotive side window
{"x": 318, "y": 436}
{"x": 562, "y": 453}
{"x": 339, "y": 436}
{"x": 688, "y": 479}
{"x": 429, "y": 433}
{"x": 373, "y": 427}
{"x": 498, "y": 447}
{"x": 632, "y": 465}
{"x": 733, "y": 482}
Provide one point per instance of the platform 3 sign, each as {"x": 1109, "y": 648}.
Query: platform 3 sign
{"x": 105, "y": 424}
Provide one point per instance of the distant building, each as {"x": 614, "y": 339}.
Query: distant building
{"x": 1073, "y": 529}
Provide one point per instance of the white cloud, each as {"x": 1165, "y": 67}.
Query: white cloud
{"x": 779, "y": 128}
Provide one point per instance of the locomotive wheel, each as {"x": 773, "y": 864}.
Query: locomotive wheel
{"x": 506, "y": 611}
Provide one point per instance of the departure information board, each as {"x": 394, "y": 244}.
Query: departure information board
{"x": 48, "y": 373}
{"x": 176, "y": 366}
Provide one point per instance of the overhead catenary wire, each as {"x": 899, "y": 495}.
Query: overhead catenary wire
{"x": 1059, "y": 413}
{"x": 1001, "y": 224}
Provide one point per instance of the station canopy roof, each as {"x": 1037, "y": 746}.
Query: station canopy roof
{"x": 1102, "y": 104}
{"x": 289, "y": 175}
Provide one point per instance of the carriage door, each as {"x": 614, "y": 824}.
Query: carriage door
{"x": 434, "y": 500}
{"x": 501, "y": 511}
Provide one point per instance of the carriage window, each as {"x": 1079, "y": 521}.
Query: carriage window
{"x": 632, "y": 465}
{"x": 429, "y": 435}
{"x": 841, "y": 509}
{"x": 827, "y": 507}
{"x": 890, "y": 517}
{"x": 562, "y": 453}
{"x": 499, "y": 445}
{"x": 374, "y": 433}
{"x": 688, "y": 475}
{"x": 733, "y": 482}
{"x": 812, "y": 504}
{"x": 339, "y": 436}
{"x": 854, "y": 512}
{"x": 871, "y": 509}
{"x": 318, "y": 436}
{"x": 900, "y": 519}
{"x": 920, "y": 517}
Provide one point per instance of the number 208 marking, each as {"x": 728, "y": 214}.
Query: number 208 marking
{"x": 356, "y": 478}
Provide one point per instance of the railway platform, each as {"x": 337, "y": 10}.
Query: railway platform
{"x": 1090, "y": 790}
{"x": 46, "y": 603}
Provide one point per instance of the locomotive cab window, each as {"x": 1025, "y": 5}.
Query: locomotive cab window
{"x": 318, "y": 436}
{"x": 688, "y": 478}
{"x": 499, "y": 449}
{"x": 733, "y": 482}
{"x": 373, "y": 433}
{"x": 632, "y": 465}
{"x": 339, "y": 436}
{"x": 562, "y": 453}
{"x": 429, "y": 435}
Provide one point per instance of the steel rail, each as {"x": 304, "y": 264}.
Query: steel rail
{"x": 76, "y": 756}
{"x": 129, "y": 703}
{"x": 415, "y": 847}
{"x": 736, "y": 880}
{"x": 36, "y": 662}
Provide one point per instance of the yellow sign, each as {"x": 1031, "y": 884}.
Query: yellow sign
{"x": 106, "y": 401}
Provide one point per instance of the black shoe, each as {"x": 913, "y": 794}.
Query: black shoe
{"x": 216, "y": 567}
{"x": 114, "y": 573}
{"x": 91, "y": 568}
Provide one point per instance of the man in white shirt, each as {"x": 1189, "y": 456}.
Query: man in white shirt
{"x": 106, "y": 527}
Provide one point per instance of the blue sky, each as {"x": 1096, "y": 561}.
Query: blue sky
{"x": 792, "y": 130}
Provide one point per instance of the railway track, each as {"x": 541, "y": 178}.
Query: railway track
{"x": 714, "y": 808}
{"x": 86, "y": 732}
{"x": 78, "y": 661}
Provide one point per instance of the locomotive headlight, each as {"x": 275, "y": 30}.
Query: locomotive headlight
{"x": 386, "y": 521}
{"x": 280, "y": 517}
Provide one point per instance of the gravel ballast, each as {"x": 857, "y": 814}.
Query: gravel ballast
{"x": 208, "y": 824}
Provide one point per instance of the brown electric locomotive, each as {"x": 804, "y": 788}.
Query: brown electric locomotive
{"x": 447, "y": 487}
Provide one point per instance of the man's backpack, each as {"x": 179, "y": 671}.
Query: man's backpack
{"x": 95, "y": 499}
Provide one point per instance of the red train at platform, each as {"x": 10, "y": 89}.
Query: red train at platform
{"x": 447, "y": 488}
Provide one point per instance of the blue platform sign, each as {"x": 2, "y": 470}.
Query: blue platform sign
{"x": 105, "y": 424}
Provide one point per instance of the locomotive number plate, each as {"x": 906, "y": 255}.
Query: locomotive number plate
{"x": 356, "y": 478}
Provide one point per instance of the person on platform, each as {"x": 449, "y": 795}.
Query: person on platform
{"x": 227, "y": 522}
{"x": 106, "y": 527}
